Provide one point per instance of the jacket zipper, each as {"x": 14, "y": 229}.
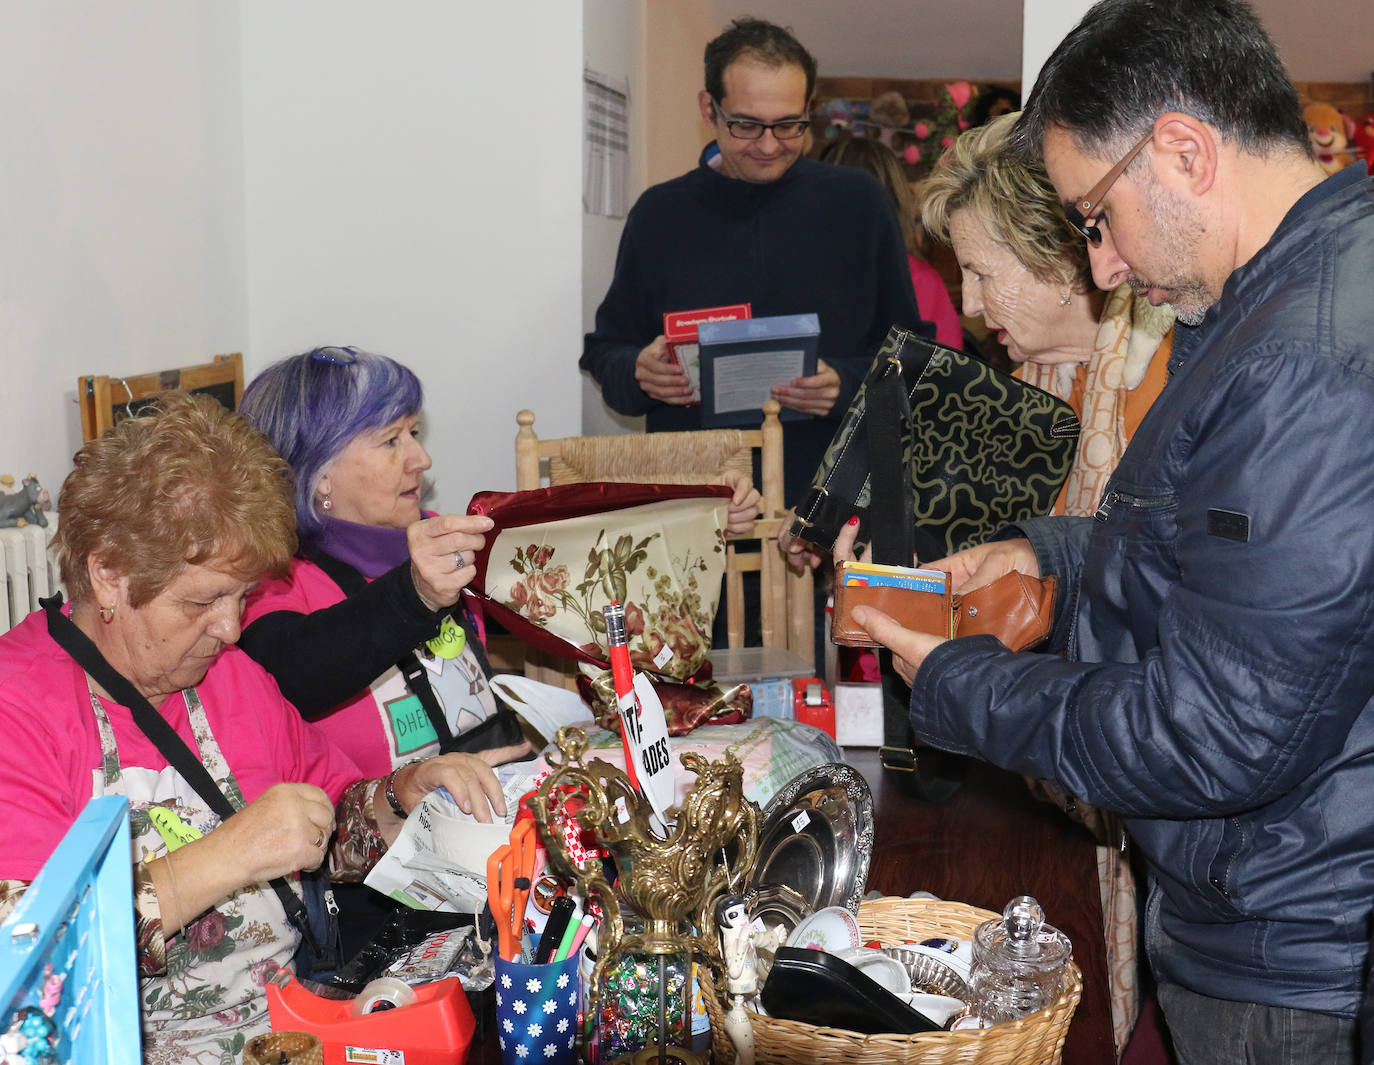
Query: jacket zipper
{"x": 1113, "y": 497}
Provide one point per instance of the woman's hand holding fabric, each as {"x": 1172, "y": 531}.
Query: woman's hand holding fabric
{"x": 437, "y": 547}
{"x": 744, "y": 503}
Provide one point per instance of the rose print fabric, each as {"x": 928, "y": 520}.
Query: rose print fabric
{"x": 663, "y": 560}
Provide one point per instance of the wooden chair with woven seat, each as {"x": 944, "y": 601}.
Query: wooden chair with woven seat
{"x": 786, "y": 611}
{"x": 106, "y": 399}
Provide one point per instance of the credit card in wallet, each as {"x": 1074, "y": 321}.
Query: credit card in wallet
{"x": 872, "y": 575}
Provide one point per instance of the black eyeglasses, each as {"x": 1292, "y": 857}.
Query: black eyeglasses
{"x": 747, "y": 129}
{"x": 338, "y": 356}
{"x": 1086, "y": 208}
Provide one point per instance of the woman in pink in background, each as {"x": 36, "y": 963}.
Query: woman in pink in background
{"x": 932, "y": 298}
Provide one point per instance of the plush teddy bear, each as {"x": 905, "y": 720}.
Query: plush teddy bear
{"x": 1326, "y": 129}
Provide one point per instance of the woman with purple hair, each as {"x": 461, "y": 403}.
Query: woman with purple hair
{"x": 374, "y": 591}
{"x": 367, "y": 633}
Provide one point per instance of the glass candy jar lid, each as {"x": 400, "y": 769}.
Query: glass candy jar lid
{"x": 1021, "y": 941}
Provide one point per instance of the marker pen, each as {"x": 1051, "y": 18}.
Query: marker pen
{"x": 623, "y": 675}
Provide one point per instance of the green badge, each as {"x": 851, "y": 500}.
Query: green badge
{"x": 173, "y": 830}
{"x": 450, "y": 641}
{"x": 410, "y": 725}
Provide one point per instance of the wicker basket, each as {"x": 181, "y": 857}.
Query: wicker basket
{"x": 1034, "y": 1040}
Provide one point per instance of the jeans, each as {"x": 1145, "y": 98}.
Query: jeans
{"x": 1211, "y": 1031}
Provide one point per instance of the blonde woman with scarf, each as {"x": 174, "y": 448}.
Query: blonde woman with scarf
{"x": 1105, "y": 353}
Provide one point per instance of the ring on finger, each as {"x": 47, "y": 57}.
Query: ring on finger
{"x": 458, "y": 560}
{"x": 319, "y": 838}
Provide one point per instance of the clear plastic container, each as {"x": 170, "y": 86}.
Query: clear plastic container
{"x": 1018, "y": 963}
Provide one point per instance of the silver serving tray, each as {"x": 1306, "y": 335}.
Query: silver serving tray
{"x": 816, "y": 837}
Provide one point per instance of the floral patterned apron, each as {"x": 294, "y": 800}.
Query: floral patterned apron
{"x": 210, "y": 1001}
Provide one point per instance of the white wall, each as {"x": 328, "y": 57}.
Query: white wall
{"x": 1320, "y": 40}
{"x": 1047, "y": 23}
{"x": 612, "y": 44}
{"x": 413, "y": 186}
{"x": 121, "y": 172}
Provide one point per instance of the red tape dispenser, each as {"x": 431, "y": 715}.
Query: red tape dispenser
{"x": 431, "y": 1024}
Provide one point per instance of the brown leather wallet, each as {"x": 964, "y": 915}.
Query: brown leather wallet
{"x": 1016, "y": 608}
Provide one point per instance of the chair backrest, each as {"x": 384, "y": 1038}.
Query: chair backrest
{"x": 701, "y": 457}
{"x": 107, "y": 399}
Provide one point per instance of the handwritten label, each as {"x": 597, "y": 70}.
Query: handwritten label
{"x": 174, "y": 831}
{"x": 450, "y": 641}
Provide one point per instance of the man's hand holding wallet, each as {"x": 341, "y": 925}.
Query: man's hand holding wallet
{"x": 911, "y": 611}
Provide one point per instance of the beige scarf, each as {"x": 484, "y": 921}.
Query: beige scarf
{"x": 1128, "y": 335}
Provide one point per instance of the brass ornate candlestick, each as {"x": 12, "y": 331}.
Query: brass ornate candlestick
{"x": 665, "y": 881}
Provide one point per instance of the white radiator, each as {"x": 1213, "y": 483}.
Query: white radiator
{"x": 29, "y": 570}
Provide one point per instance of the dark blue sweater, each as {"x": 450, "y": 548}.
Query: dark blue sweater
{"x": 821, "y": 239}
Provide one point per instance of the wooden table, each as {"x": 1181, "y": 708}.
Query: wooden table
{"x": 987, "y": 844}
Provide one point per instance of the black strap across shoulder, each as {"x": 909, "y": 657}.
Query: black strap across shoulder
{"x": 350, "y": 582}
{"x": 172, "y": 747}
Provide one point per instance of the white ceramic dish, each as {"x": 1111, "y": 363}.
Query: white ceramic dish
{"x": 883, "y": 969}
{"x": 831, "y": 929}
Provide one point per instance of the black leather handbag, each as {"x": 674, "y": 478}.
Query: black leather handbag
{"x": 937, "y": 452}
{"x": 954, "y": 447}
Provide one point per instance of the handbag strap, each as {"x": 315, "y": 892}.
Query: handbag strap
{"x": 153, "y": 725}
{"x": 351, "y": 582}
{"x": 890, "y": 528}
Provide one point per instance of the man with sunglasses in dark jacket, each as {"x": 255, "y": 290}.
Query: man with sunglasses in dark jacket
{"x": 1217, "y": 615}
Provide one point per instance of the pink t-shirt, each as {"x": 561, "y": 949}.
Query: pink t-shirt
{"x": 50, "y": 755}
{"x": 932, "y": 299}
{"x": 384, "y": 726}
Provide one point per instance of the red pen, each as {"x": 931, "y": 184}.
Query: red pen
{"x": 624, "y": 676}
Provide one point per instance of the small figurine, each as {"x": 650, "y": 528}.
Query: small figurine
{"x": 25, "y": 506}
{"x": 52, "y": 990}
{"x": 741, "y": 972}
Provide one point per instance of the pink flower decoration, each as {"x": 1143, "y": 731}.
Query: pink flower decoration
{"x": 946, "y": 142}
{"x": 912, "y": 155}
{"x": 959, "y": 92}
{"x": 921, "y": 130}
{"x": 963, "y": 124}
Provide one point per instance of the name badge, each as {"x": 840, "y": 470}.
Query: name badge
{"x": 450, "y": 641}
{"x": 411, "y": 728}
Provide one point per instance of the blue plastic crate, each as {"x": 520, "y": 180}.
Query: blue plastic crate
{"x": 75, "y": 923}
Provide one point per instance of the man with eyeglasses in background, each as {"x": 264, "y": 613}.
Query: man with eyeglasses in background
{"x": 1217, "y": 613}
{"x": 755, "y": 222}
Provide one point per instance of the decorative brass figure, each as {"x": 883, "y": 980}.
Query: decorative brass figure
{"x": 668, "y": 881}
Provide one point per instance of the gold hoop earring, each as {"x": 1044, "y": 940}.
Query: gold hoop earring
{"x": 107, "y": 614}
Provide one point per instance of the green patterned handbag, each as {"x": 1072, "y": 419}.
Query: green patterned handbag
{"x": 936, "y": 453}
{"x": 956, "y": 447}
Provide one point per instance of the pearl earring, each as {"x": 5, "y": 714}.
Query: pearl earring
{"x": 326, "y": 503}
{"x": 1065, "y": 299}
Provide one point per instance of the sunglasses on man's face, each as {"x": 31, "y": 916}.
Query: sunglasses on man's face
{"x": 1085, "y": 210}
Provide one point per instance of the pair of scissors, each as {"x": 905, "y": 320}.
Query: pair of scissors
{"x": 510, "y": 872}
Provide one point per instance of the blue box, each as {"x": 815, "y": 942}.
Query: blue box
{"x": 75, "y": 923}
{"x": 733, "y": 391}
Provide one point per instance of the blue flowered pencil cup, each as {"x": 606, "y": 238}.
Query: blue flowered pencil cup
{"x": 536, "y": 1012}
